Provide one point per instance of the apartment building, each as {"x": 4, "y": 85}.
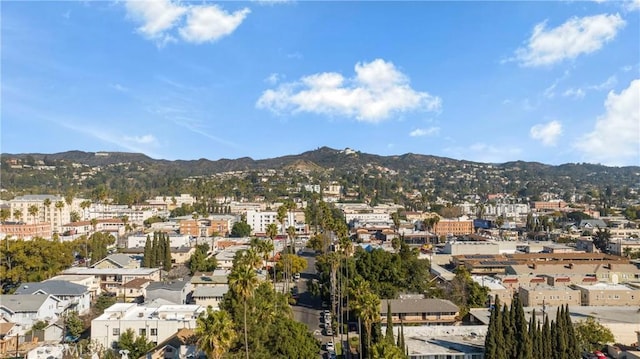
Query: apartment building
{"x": 420, "y": 311}
{"x": 155, "y": 323}
{"x": 547, "y": 295}
{"x": 455, "y": 227}
{"x": 259, "y": 220}
{"x": 607, "y": 294}
{"x": 51, "y": 209}
{"x": 26, "y": 231}
{"x": 111, "y": 279}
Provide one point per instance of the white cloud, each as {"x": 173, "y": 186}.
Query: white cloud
{"x": 633, "y": 5}
{"x": 547, "y": 133}
{"x": 575, "y": 37}
{"x": 157, "y": 17}
{"x": 576, "y": 93}
{"x": 204, "y": 23}
{"x": 418, "y": 132}
{"x": 615, "y": 139}
{"x": 210, "y": 23}
{"x": 377, "y": 91}
{"x": 606, "y": 85}
{"x": 273, "y": 78}
{"x": 627, "y": 68}
{"x": 143, "y": 140}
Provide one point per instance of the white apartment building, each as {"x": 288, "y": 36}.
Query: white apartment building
{"x": 171, "y": 202}
{"x": 109, "y": 211}
{"x": 58, "y": 212}
{"x": 260, "y": 220}
{"x": 367, "y": 217}
{"x": 156, "y": 323}
{"x": 139, "y": 241}
{"x": 507, "y": 210}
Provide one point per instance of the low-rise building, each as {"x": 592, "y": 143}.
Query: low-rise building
{"x": 422, "y": 311}
{"x": 444, "y": 342}
{"x": 117, "y": 260}
{"x": 26, "y": 309}
{"x": 544, "y": 294}
{"x": 73, "y": 297}
{"x": 606, "y": 294}
{"x": 113, "y": 278}
{"x": 209, "y": 296}
{"x": 155, "y": 323}
{"x": 455, "y": 227}
{"x": 496, "y": 289}
{"x": 177, "y": 291}
{"x": 91, "y": 282}
{"x": 26, "y": 231}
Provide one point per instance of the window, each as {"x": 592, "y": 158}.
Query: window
{"x": 116, "y": 331}
{"x": 142, "y": 332}
{"x": 154, "y": 331}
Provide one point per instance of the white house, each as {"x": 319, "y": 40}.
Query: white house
{"x": 73, "y": 297}
{"x": 26, "y": 309}
{"x": 155, "y": 323}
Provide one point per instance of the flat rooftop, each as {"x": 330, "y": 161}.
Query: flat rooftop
{"x": 443, "y": 340}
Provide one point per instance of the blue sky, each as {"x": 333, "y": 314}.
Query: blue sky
{"x": 553, "y": 82}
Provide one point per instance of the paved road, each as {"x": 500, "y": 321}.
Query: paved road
{"x": 307, "y": 309}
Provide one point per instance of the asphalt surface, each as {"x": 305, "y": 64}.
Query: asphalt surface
{"x": 308, "y": 307}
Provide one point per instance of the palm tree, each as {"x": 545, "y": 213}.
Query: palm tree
{"x": 291, "y": 234}
{"x": 17, "y": 214}
{"x": 47, "y": 210}
{"x": 243, "y": 281}
{"x": 59, "y": 206}
{"x": 84, "y": 205}
{"x": 33, "y": 211}
{"x": 4, "y": 214}
{"x": 369, "y": 311}
{"x": 272, "y": 232}
{"x": 215, "y": 332}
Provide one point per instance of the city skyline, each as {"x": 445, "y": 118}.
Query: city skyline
{"x": 488, "y": 81}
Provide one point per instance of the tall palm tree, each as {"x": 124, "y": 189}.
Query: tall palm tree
{"x": 17, "y": 214}
{"x": 33, "y": 212}
{"x": 85, "y": 205}
{"x": 291, "y": 234}
{"x": 243, "y": 282}
{"x": 272, "y": 232}
{"x": 369, "y": 311}
{"x": 59, "y": 206}
{"x": 47, "y": 210}
{"x": 215, "y": 332}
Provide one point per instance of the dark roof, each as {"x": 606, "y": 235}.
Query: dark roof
{"x": 176, "y": 285}
{"x": 54, "y": 287}
{"x": 419, "y": 306}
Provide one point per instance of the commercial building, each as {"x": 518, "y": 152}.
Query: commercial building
{"x": 606, "y": 294}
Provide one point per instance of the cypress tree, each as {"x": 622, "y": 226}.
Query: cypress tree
{"x": 146, "y": 260}
{"x": 507, "y": 332}
{"x": 490, "y": 342}
{"x": 533, "y": 334}
{"x": 561, "y": 335}
{"x": 154, "y": 252}
{"x": 572, "y": 342}
{"x": 523, "y": 340}
{"x": 389, "y": 332}
{"x": 167, "y": 255}
{"x": 547, "y": 340}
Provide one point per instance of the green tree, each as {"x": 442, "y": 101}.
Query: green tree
{"x": 73, "y": 324}
{"x": 386, "y": 350}
{"x": 166, "y": 261}
{"x": 200, "y": 261}
{"x": 243, "y": 282}
{"x": 103, "y": 302}
{"x": 240, "y": 229}
{"x": 591, "y": 335}
{"x": 136, "y": 345}
{"x": 5, "y": 213}
{"x": 146, "y": 259}
{"x": 216, "y": 333}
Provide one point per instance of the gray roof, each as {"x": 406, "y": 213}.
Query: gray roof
{"x": 176, "y": 285}
{"x": 593, "y": 223}
{"x": 419, "y": 306}
{"x": 121, "y": 260}
{"x": 212, "y": 292}
{"x": 53, "y": 287}
{"x": 23, "y": 303}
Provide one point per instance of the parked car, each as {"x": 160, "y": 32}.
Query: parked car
{"x": 330, "y": 346}
{"x": 296, "y": 277}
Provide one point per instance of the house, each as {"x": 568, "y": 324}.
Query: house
{"x": 8, "y": 338}
{"x": 156, "y": 323}
{"x": 117, "y": 260}
{"x": 26, "y": 309}
{"x": 216, "y": 278}
{"x": 92, "y": 283}
{"x": 74, "y": 297}
{"x": 113, "y": 278}
{"x": 420, "y": 311}
{"x": 591, "y": 225}
{"x": 133, "y": 290}
{"x": 180, "y": 345}
{"x": 209, "y": 296}
{"x": 177, "y": 291}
